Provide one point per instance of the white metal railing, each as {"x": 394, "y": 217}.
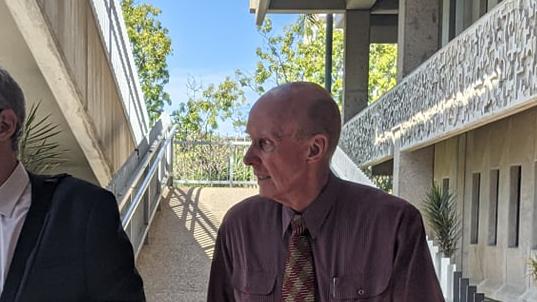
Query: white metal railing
{"x": 139, "y": 203}
{"x": 213, "y": 163}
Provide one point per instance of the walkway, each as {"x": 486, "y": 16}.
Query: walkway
{"x": 175, "y": 264}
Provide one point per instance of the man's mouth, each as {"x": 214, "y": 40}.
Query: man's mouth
{"x": 261, "y": 177}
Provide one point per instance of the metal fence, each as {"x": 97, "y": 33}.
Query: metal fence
{"x": 139, "y": 203}
{"x": 212, "y": 163}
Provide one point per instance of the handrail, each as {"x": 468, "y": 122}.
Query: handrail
{"x": 138, "y": 174}
{"x": 135, "y": 203}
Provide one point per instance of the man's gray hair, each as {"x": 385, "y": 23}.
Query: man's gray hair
{"x": 12, "y": 97}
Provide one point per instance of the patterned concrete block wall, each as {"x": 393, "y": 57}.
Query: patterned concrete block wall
{"x": 486, "y": 73}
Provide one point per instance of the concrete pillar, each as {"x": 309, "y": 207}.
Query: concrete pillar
{"x": 412, "y": 173}
{"x": 459, "y": 196}
{"x": 448, "y": 21}
{"x": 491, "y": 4}
{"x": 419, "y": 33}
{"x": 463, "y": 17}
{"x": 356, "y": 69}
{"x": 479, "y": 9}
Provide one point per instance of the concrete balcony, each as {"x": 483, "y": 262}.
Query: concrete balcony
{"x": 486, "y": 73}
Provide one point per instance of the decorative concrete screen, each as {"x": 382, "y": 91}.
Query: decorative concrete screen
{"x": 486, "y": 73}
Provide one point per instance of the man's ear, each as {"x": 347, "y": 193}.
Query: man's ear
{"x": 318, "y": 147}
{"x": 8, "y": 124}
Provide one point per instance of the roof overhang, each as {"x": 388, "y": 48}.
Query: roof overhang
{"x": 262, "y": 7}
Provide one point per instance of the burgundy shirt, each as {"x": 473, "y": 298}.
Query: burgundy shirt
{"x": 367, "y": 246}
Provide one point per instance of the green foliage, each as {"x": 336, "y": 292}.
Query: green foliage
{"x": 199, "y": 117}
{"x": 151, "y": 46}
{"x": 382, "y": 69}
{"x": 533, "y": 268}
{"x": 383, "y": 182}
{"x": 440, "y": 210}
{"x": 295, "y": 54}
{"x": 298, "y": 53}
{"x": 38, "y": 150}
{"x": 211, "y": 160}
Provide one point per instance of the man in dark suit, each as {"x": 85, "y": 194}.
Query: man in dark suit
{"x": 61, "y": 238}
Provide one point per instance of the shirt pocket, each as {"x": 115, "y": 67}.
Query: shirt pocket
{"x": 253, "y": 285}
{"x": 354, "y": 288}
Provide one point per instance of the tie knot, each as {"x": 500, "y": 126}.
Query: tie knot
{"x": 297, "y": 225}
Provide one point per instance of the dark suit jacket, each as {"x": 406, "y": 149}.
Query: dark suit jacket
{"x": 72, "y": 247}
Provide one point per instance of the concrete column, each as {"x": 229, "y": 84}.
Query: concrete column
{"x": 412, "y": 173}
{"x": 479, "y": 9}
{"x": 459, "y": 196}
{"x": 491, "y": 4}
{"x": 448, "y": 21}
{"x": 356, "y": 70}
{"x": 419, "y": 33}
{"x": 463, "y": 17}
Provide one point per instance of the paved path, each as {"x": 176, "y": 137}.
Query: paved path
{"x": 175, "y": 264}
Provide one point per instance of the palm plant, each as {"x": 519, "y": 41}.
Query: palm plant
{"x": 533, "y": 268}
{"x": 38, "y": 151}
{"x": 440, "y": 210}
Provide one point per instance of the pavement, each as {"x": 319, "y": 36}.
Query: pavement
{"x": 175, "y": 262}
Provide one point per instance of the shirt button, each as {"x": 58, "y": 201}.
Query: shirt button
{"x": 361, "y": 292}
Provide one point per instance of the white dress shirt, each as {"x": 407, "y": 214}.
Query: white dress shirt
{"x": 15, "y": 200}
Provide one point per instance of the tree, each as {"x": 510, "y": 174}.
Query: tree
{"x": 151, "y": 46}
{"x": 200, "y": 115}
{"x": 382, "y": 69}
{"x": 297, "y": 54}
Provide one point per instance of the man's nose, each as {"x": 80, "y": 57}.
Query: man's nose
{"x": 250, "y": 158}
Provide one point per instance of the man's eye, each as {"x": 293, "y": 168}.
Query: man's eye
{"x": 265, "y": 145}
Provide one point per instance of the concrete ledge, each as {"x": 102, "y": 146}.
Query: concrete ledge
{"x": 486, "y": 73}
{"x": 344, "y": 168}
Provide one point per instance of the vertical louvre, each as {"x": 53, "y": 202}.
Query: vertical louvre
{"x": 474, "y": 220}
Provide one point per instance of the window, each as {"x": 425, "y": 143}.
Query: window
{"x": 514, "y": 206}
{"x": 474, "y": 220}
{"x": 445, "y": 185}
{"x": 493, "y": 206}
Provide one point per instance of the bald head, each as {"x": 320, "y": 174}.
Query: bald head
{"x": 306, "y": 105}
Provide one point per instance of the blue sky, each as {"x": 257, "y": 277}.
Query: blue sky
{"x": 210, "y": 40}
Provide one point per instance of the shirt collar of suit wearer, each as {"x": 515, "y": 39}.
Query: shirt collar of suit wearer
{"x": 315, "y": 214}
{"x": 12, "y": 189}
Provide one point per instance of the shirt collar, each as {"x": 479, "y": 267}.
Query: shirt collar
{"x": 12, "y": 189}
{"x": 315, "y": 214}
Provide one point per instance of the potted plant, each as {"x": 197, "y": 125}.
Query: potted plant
{"x": 533, "y": 268}
{"x": 440, "y": 211}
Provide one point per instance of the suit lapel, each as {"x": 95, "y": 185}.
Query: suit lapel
{"x": 42, "y": 191}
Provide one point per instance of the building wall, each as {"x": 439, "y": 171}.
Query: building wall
{"x": 500, "y": 270}
{"x": 74, "y": 28}
{"x": 486, "y": 73}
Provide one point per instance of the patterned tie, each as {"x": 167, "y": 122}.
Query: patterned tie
{"x": 299, "y": 275}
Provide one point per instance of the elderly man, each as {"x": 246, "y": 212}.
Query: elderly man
{"x": 308, "y": 235}
{"x": 60, "y": 238}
